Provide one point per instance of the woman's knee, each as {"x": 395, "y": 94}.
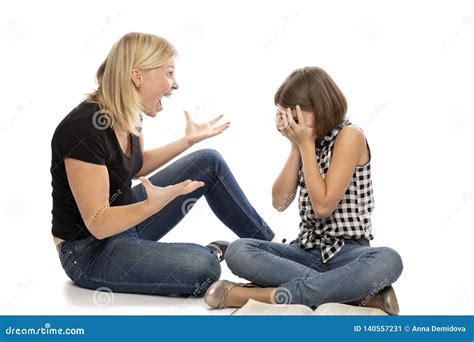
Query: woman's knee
{"x": 207, "y": 156}
{"x": 204, "y": 269}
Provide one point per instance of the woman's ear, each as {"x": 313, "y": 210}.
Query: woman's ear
{"x": 137, "y": 78}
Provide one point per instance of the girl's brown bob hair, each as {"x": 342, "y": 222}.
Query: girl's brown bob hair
{"x": 314, "y": 91}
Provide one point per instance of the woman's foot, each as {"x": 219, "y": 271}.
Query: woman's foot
{"x": 385, "y": 300}
{"x": 218, "y": 248}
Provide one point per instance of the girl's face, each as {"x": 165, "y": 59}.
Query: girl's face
{"x": 307, "y": 116}
{"x": 153, "y": 84}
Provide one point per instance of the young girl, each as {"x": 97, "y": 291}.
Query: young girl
{"x": 331, "y": 259}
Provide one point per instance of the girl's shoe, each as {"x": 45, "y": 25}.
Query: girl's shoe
{"x": 385, "y": 300}
{"x": 217, "y": 292}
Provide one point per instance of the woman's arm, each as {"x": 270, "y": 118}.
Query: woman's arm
{"x": 157, "y": 157}
{"x": 194, "y": 133}
{"x": 89, "y": 184}
{"x": 284, "y": 187}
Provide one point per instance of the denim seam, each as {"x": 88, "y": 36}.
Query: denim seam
{"x": 156, "y": 285}
{"x": 262, "y": 229}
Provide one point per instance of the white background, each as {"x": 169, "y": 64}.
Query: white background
{"x": 406, "y": 69}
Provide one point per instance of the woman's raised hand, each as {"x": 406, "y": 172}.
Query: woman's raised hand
{"x": 159, "y": 197}
{"x": 197, "y": 132}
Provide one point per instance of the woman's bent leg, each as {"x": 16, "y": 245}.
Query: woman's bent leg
{"x": 132, "y": 265}
{"x": 221, "y": 190}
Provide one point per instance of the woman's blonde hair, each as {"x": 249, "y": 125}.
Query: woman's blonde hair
{"x": 315, "y": 91}
{"x": 116, "y": 94}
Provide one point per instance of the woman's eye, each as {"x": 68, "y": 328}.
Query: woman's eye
{"x": 171, "y": 74}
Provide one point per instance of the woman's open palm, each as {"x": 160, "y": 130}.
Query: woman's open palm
{"x": 196, "y": 132}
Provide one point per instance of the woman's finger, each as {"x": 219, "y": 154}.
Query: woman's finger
{"x": 213, "y": 121}
{"x": 145, "y": 181}
{"x": 188, "y": 116}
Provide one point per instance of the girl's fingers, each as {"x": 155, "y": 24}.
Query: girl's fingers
{"x": 289, "y": 117}
{"x": 284, "y": 121}
{"x": 299, "y": 114}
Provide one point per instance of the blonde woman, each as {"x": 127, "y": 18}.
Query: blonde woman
{"x": 331, "y": 259}
{"x": 105, "y": 231}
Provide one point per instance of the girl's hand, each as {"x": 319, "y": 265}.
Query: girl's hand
{"x": 281, "y": 123}
{"x": 298, "y": 132}
{"x": 159, "y": 197}
{"x": 197, "y": 132}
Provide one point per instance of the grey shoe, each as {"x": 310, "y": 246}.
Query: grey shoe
{"x": 218, "y": 248}
{"x": 385, "y": 300}
{"x": 217, "y": 292}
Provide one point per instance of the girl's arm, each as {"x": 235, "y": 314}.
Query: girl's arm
{"x": 325, "y": 194}
{"x": 284, "y": 187}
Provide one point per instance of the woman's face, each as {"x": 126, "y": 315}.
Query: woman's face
{"x": 153, "y": 84}
{"x": 307, "y": 116}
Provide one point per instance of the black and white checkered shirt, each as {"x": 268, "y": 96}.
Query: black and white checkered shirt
{"x": 350, "y": 219}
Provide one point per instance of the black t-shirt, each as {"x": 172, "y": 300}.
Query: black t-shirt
{"x": 81, "y": 136}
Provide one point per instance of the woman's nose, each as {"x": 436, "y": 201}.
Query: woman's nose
{"x": 175, "y": 85}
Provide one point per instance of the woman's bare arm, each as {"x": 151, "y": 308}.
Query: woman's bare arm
{"x": 89, "y": 184}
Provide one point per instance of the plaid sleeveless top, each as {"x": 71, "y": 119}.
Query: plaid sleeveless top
{"x": 350, "y": 219}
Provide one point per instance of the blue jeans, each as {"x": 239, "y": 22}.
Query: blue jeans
{"x": 133, "y": 261}
{"x": 356, "y": 272}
